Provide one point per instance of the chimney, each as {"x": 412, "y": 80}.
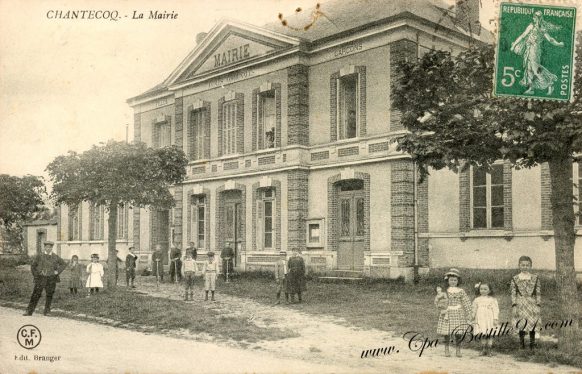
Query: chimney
{"x": 467, "y": 15}
{"x": 200, "y": 37}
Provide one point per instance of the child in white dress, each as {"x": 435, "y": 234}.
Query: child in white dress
{"x": 485, "y": 315}
{"x": 95, "y": 271}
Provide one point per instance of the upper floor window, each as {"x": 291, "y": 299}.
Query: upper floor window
{"x": 347, "y": 106}
{"x": 488, "y": 198}
{"x": 75, "y": 223}
{"x": 267, "y": 119}
{"x": 197, "y": 134}
{"x": 162, "y": 132}
{"x": 229, "y": 127}
{"x": 348, "y": 103}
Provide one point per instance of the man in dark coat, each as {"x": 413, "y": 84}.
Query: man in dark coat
{"x": 45, "y": 268}
{"x": 296, "y": 276}
{"x": 176, "y": 264}
{"x": 158, "y": 263}
{"x": 130, "y": 266}
{"x": 227, "y": 255}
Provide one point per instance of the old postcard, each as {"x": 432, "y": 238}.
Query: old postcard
{"x": 290, "y": 186}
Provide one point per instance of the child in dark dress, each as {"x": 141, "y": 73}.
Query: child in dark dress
{"x": 74, "y": 270}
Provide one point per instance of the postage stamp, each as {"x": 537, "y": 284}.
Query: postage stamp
{"x": 535, "y": 51}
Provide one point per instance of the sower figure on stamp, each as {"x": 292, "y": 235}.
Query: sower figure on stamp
{"x": 175, "y": 265}
{"x": 157, "y": 263}
{"x": 526, "y": 299}
{"x": 45, "y": 269}
{"x": 189, "y": 271}
{"x": 130, "y": 267}
{"x": 227, "y": 255}
{"x": 296, "y": 276}
{"x": 281, "y": 277}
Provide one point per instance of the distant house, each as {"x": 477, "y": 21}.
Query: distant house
{"x": 38, "y": 232}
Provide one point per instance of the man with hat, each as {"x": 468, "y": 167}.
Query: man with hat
{"x": 45, "y": 269}
{"x": 281, "y": 277}
{"x": 175, "y": 265}
{"x": 158, "y": 262}
{"x": 210, "y": 270}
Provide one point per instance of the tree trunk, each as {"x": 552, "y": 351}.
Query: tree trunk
{"x": 111, "y": 251}
{"x": 563, "y": 220}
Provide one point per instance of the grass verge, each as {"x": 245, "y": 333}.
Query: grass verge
{"x": 135, "y": 309}
{"x": 392, "y": 305}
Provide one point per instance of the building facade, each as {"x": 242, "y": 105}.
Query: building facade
{"x": 289, "y": 139}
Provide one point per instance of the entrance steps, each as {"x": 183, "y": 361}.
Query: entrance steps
{"x": 341, "y": 276}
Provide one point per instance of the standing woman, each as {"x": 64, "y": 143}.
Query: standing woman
{"x": 95, "y": 271}
{"x": 458, "y": 312}
{"x": 296, "y": 276}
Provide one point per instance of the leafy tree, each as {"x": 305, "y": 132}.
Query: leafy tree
{"x": 20, "y": 199}
{"x": 114, "y": 174}
{"x": 454, "y": 122}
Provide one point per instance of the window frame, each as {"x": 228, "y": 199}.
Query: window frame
{"x": 229, "y": 129}
{"x": 261, "y": 218}
{"x": 75, "y": 228}
{"x": 123, "y": 222}
{"x": 198, "y": 128}
{"x": 261, "y": 130}
{"x": 341, "y": 118}
{"x": 194, "y": 234}
{"x": 488, "y": 199}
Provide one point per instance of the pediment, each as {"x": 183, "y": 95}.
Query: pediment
{"x": 230, "y": 44}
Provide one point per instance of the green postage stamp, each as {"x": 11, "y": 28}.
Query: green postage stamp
{"x": 535, "y": 51}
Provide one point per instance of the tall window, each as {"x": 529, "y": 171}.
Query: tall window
{"x": 229, "y": 128}
{"x": 96, "y": 224}
{"x": 267, "y": 119}
{"x": 75, "y": 223}
{"x": 198, "y": 134}
{"x": 162, "y": 131}
{"x": 266, "y": 219}
{"x": 347, "y": 104}
{"x": 198, "y": 221}
{"x": 122, "y": 217}
{"x": 487, "y": 198}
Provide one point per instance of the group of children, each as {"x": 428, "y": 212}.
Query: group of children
{"x": 190, "y": 271}
{"x": 94, "y": 271}
{"x": 456, "y": 310}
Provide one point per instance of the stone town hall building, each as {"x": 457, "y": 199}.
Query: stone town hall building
{"x": 288, "y": 135}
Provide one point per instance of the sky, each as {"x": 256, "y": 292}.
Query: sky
{"x": 64, "y": 83}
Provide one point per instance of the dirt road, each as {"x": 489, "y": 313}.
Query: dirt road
{"x": 81, "y": 347}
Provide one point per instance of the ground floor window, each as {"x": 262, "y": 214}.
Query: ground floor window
{"x": 266, "y": 214}
{"x": 198, "y": 221}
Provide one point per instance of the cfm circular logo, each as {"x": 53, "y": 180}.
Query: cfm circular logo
{"x": 29, "y": 336}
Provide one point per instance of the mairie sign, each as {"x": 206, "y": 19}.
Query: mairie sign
{"x": 232, "y": 55}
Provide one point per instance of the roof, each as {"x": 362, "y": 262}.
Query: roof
{"x": 337, "y": 16}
